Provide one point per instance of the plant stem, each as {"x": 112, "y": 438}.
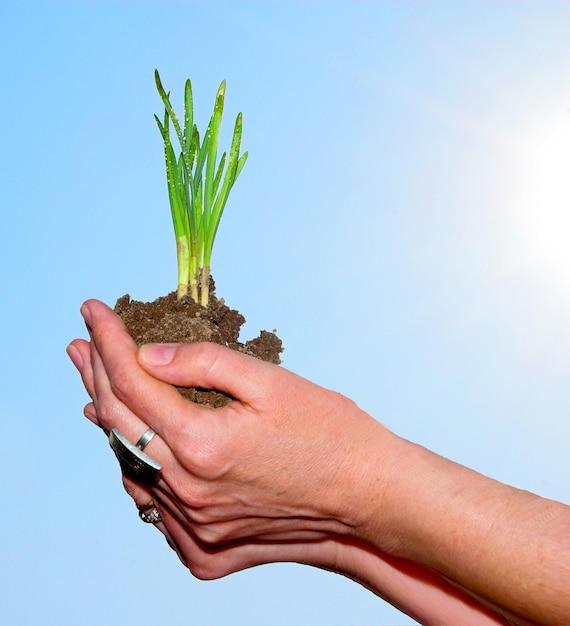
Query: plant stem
{"x": 205, "y": 286}
{"x": 182, "y": 254}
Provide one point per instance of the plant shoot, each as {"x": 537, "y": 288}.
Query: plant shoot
{"x": 198, "y": 186}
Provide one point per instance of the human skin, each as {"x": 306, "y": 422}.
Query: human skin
{"x": 243, "y": 485}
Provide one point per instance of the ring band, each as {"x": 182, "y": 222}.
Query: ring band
{"x": 145, "y": 439}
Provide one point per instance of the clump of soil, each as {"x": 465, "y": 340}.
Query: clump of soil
{"x": 168, "y": 320}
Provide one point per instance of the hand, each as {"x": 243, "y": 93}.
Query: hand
{"x": 280, "y": 474}
{"x": 255, "y": 468}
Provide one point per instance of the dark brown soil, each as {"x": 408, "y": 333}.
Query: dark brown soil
{"x": 168, "y": 320}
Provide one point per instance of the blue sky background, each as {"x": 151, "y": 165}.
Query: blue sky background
{"x": 403, "y": 221}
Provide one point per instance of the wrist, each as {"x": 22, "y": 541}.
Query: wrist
{"x": 369, "y": 481}
{"x": 415, "y": 502}
{"x": 396, "y": 482}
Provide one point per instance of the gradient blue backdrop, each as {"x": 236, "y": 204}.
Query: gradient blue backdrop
{"x": 403, "y": 221}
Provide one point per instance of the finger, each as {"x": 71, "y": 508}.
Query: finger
{"x": 118, "y": 374}
{"x": 144, "y": 498}
{"x": 141, "y": 495}
{"x": 160, "y": 496}
{"x": 208, "y": 563}
{"x": 216, "y": 528}
{"x": 207, "y": 365}
{"x": 107, "y": 406}
{"x": 91, "y": 414}
{"x": 110, "y": 412}
{"x": 79, "y": 353}
{"x": 418, "y": 592}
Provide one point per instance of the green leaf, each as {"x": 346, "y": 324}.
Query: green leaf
{"x": 188, "y": 122}
{"x": 219, "y": 173}
{"x": 213, "y": 139}
{"x": 229, "y": 180}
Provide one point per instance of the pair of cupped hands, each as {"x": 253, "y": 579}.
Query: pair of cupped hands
{"x": 263, "y": 479}
{"x": 287, "y": 471}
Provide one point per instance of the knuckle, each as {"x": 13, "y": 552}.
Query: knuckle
{"x": 204, "y": 452}
{"x": 107, "y": 412}
{"x": 206, "y": 356}
{"x": 209, "y": 460}
{"x": 122, "y": 384}
{"x": 200, "y": 497}
{"x": 212, "y": 536}
{"x": 196, "y": 497}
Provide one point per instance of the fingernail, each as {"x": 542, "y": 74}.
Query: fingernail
{"x": 157, "y": 353}
{"x": 86, "y": 316}
{"x": 75, "y": 356}
{"x": 90, "y": 413}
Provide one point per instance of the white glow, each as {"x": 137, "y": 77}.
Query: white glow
{"x": 541, "y": 196}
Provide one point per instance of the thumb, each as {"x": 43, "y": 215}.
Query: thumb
{"x": 206, "y": 365}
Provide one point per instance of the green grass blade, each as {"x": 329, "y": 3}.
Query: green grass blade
{"x": 171, "y": 175}
{"x": 175, "y": 123}
{"x": 219, "y": 175}
{"x": 189, "y": 122}
{"x": 241, "y": 163}
{"x": 178, "y": 211}
{"x": 213, "y": 140}
{"x": 229, "y": 180}
{"x": 168, "y": 106}
{"x": 201, "y": 153}
{"x": 160, "y": 126}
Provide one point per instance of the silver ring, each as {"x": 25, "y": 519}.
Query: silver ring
{"x": 134, "y": 462}
{"x": 145, "y": 439}
{"x": 150, "y": 514}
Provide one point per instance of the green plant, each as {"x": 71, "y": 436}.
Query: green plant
{"x": 198, "y": 188}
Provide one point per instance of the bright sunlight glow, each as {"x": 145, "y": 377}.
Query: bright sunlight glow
{"x": 542, "y": 198}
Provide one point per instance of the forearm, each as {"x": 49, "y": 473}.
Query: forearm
{"x": 507, "y": 547}
{"x": 412, "y": 588}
